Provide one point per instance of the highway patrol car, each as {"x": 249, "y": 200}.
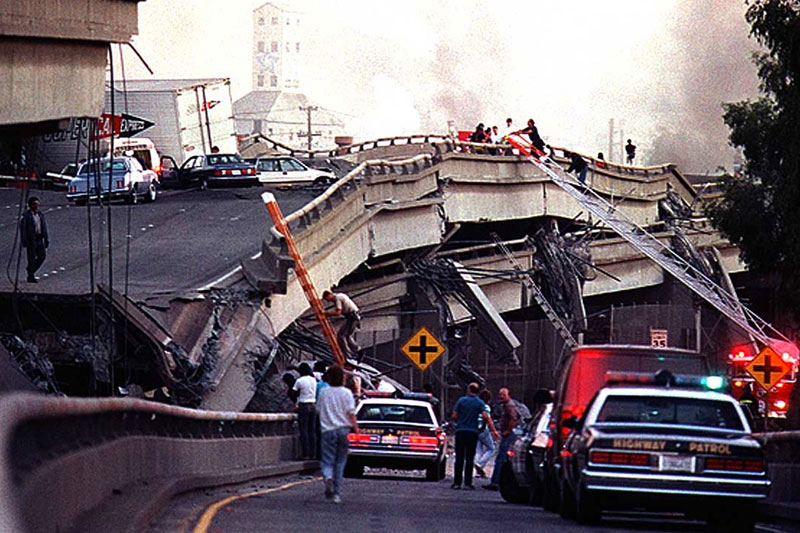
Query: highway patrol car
{"x": 659, "y": 446}
{"x": 398, "y": 430}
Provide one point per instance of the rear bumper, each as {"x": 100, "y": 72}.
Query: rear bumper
{"x": 641, "y": 483}
{"x": 115, "y": 194}
{"x": 400, "y": 459}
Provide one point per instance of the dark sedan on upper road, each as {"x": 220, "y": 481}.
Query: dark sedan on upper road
{"x": 208, "y": 170}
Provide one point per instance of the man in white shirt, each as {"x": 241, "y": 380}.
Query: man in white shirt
{"x": 345, "y": 307}
{"x": 305, "y": 390}
{"x": 337, "y": 418}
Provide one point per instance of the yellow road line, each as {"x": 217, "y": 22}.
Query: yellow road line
{"x": 208, "y": 516}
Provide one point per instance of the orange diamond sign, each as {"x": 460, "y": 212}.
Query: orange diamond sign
{"x": 423, "y": 348}
{"x": 767, "y": 368}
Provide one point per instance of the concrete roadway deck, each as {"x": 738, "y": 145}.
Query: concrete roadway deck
{"x": 378, "y": 504}
{"x": 184, "y": 240}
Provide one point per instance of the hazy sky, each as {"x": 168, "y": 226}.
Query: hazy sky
{"x": 660, "y": 68}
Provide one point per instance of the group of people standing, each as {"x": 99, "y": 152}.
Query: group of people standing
{"x": 474, "y": 424}
{"x": 493, "y": 135}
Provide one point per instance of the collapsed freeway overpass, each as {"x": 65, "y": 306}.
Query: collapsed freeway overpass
{"x": 197, "y": 308}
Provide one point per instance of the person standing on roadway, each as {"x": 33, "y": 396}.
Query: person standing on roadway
{"x": 486, "y": 445}
{"x": 34, "y": 238}
{"x": 345, "y": 307}
{"x": 337, "y": 418}
{"x": 509, "y": 419}
{"x": 630, "y": 150}
{"x": 305, "y": 389}
{"x": 467, "y": 411}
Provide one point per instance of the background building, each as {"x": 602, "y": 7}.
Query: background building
{"x": 277, "y": 49}
{"x": 277, "y": 107}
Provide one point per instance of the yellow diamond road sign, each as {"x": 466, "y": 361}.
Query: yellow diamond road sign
{"x": 423, "y": 348}
{"x": 767, "y": 368}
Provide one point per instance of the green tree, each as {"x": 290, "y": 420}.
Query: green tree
{"x": 759, "y": 209}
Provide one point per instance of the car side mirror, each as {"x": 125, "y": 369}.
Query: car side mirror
{"x": 570, "y": 422}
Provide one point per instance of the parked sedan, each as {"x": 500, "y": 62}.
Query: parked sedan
{"x": 284, "y": 170}
{"x": 208, "y": 170}
{"x": 522, "y": 477}
{"x": 65, "y": 176}
{"x": 128, "y": 181}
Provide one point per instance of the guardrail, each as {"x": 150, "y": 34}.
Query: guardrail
{"x": 64, "y": 457}
{"x": 781, "y": 450}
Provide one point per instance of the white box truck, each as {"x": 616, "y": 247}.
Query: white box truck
{"x": 189, "y": 117}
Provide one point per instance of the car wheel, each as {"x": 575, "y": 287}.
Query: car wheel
{"x": 738, "y": 518}
{"x": 80, "y": 202}
{"x": 353, "y": 469}
{"x": 550, "y": 494}
{"x": 432, "y": 472}
{"x": 566, "y": 506}
{"x": 535, "y": 493}
{"x": 132, "y": 198}
{"x": 151, "y": 192}
{"x": 587, "y": 509}
{"x": 509, "y": 488}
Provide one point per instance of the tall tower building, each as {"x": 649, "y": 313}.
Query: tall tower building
{"x": 277, "y": 49}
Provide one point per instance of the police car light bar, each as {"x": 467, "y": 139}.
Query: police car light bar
{"x": 665, "y": 378}
{"x": 424, "y": 396}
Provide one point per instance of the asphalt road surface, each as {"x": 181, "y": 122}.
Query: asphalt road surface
{"x": 182, "y": 241}
{"x": 384, "y": 504}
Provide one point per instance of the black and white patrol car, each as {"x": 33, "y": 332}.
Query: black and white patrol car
{"x": 398, "y": 430}
{"x": 659, "y": 446}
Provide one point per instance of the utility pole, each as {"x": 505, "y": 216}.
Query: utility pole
{"x": 309, "y": 110}
{"x": 610, "y": 155}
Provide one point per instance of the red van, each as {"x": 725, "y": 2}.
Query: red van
{"x": 583, "y": 374}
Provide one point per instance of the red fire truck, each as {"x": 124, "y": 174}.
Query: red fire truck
{"x": 775, "y": 402}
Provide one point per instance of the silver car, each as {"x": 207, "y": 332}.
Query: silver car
{"x": 284, "y": 170}
{"x": 128, "y": 181}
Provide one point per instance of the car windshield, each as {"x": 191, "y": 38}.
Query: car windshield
{"x": 224, "y": 159}
{"x": 412, "y": 414}
{"x": 89, "y": 168}
{"x": 672, "y": 411}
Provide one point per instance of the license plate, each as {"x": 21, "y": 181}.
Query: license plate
{"x": 676, "y": 463}
{"x": 389, "y": 439}
{"x": 237, "y": 172}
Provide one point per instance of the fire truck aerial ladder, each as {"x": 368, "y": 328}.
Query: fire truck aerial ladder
{"x": 722, "y": 300}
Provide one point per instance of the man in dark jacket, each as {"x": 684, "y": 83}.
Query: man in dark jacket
{"x": 33, "y": 233}
{"x": 578, "y": 165}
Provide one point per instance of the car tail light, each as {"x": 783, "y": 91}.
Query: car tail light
{"x": 218, "y": 173}
{"x": 416, "y": 440}
{"x": 511, "y": 453}
{"x": 73, "y": 188}
{"x": 734, "y": 464}
{"x": 120, "y": 184}
{"x": 620, "y": 458}
{"x": 361, "y": 439}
